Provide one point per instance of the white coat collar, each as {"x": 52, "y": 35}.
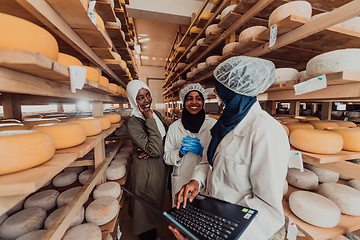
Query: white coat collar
{"x": 202, "y": 128}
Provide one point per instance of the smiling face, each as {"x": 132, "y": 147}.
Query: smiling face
{"x": 144, "y": 99}
{"x": 193, "y": 102}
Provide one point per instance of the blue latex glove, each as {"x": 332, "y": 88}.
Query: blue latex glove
{"x": 183, "y": 150}
{"x": 194, "y": 147}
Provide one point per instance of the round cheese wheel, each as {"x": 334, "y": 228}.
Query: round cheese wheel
{"x": 316, "y": 141}
{"x": 229, "y": 47}
{"x": 213, "y": 28}
{"x": 65, "y": 135}
{"x": 212, "y": 59}
{"x": 322, "y": 124}
{"x": 23, "y": 222}
{"x": 345, "y": 197}
{"x": 105, "y": 122}
{"x": 352, "y": 24}
{"x": 188, "y": 55}
{"x": 297, "y": 8}
{"x": 194, "y": 49}
{"x": 78, "y": 170}
{"x": 343, "y": 177}
{"x": 205, "y": 15}
{"x": 127, "y": 148}
{"x": 65, "y": 197}
{"x": 99, "y": 22}
{"x": 108, "y": 189}
{"x": 32, "y": 122}
{"x": 34, "y": 235}
{"x": 102, "y": 210}
{"x": 77, "y": 220}
{"x": 202, "y": 65}
{"x": 13, "y": 126}
{"x": 286, "y": 129}
{"x": 45, "y": 199}
{"x": 334, "y": 61}
{"x": 123, "y": 64}
{"x": 104, "y": 81}
{"x": 200, "y": 41}
{"x": 86, "y": 231}
{"x": 68, "y": 60}
{"x": 92, "y": 125}
{"x": 92, "y": 74}
{"x": 32, "y": 116}
{"x": 304, "y": 180}
{"x": 346, "y": 124}
{"x": 189, "y": 75}
{"x": 4, "y": 121}
{"x": 114, "y": 117}
{"x": 250, "y": 32}
{"x": 351, "y": 137}
{"x": 122, "y": 154}
{"x": 113, "y": 87}
{"x": 85, "y": 175}
{"x": 116, "y": 56}
{"x": 227, "y": 10}
{"x": 64, "y": 179}
{"x": 294, "y": 125}
{"x": 16, "y": 208}
{"x": 180, "y": 49}
{"x": 3, "y": 218}
{"x": 323, "y": 174}
{"x": 181, "y": 66}
{"x": 302, "y": 74}
{"x": 20, "y": 34}
{"x": 195, "y": 71}
{"x": 285, "y": 74}
{"x": 195, "y": 30}
{"x": 314, "y": 209}
{"x": 287, "y": 119}
{"x": 307, "y": 118}
{"x": 120, "y": 161}
{"x": 23, "y": 149}
{"x": 354, "y": 184}
{"x": 115, "y": 172}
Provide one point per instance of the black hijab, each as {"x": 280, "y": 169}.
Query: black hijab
{"x": 193, "y": 122}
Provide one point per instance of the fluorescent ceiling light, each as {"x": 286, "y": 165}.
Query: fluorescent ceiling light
{"x": 144, "y": 57}
{"x": 137, "y": 48}
{"x": 144, "y": 40}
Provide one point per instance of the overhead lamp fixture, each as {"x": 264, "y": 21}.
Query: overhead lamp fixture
{"x": 137, "y": 48}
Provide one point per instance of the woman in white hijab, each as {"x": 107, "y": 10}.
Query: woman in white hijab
{"x": 147, "y": 129}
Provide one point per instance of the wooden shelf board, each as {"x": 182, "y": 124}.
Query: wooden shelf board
{"x": 105, "y": 11}
{"x": 120, "y": 13}
{"x": 103, "y": 53}
{"x": 116, "y": 36}
{"x": 202, "y": 47}
{"x": 81, "y": 163}
{"x": 94, "y": 37}
{"x": 96, "y": 87}
{"x": 28, "y": 181}
{"x": 216, "y": 6}
{"x": 211, "y": 37}
{"x": 229, "y": 20}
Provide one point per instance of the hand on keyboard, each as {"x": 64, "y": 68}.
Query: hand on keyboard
{"x": 192, "y": 187}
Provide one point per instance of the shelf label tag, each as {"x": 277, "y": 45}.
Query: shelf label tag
{"x": 311, "y": 85}
{"x": 91, "y": 13}
{"x": 291, "y": 230}
{"x": 295, "y": 160}
{"x": 77, "y": 77}
{"x": 119, "y": 233}
{"x": 273, "y": 35}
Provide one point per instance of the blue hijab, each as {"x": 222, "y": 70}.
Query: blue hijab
{"x": 236, "y": 108}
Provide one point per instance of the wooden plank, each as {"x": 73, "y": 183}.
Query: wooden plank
{"x": 229, "y": 20}
{"x": 116, "y": 36}
{"x": 103, "y": 53}
{"x": 96, "y": 87}
{"x": 211, "y": 37}
{"x": 30, "y": 180}
{"x": 336, "y": 78}
{"x": 105, "y": 11}
{"x": 94, "y": 38}
{"x": 11, "y": 104}
{"x": 7, "y": 202}
{"x": 81, "y": 163}
{"x": 246, "y": 46}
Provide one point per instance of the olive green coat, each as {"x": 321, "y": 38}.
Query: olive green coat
{"x": 148, "y": 176}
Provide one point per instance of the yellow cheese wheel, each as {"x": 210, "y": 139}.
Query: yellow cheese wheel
{"x": 113, "y": 87}
{"x": 286, "y": 129}
{"x": 116, "y": 56}
{"x": 32, "y": 116}
{"x": 215, "y": 1}
{"x": 23, "y": 149}
{"x": 104, "y": 81}
{"x": 180, "y": 49}
{"x": 345, "y": 124}
{"x": 205, "y": 15}
{"x": 322, "y": 124}
{"x": 13, "y": 126}
{"x": 92, "y": 74}
{"x": 105, "y": 122}
{"x": 19, "y": 34}
{"x": 68, "y": 60}
{"x": 65, "y": 135}
{"x": 351, "y": 137}
{"x": 120, "y": 90}
{"x": 123, "y": 64}
{"x": 114, "y": 117}
{"x": 195, "y": 30}
{"x": 99, "y": 22}
{"x": 32, "y": 122}
{"x": 316, "y": 141}
{"x": 287, "y": 119}
{"x": 92, "y": 125}
{"x": 9, "y": 121}
{"x": 307, "y": 118}
{"x": 293, "y": 125}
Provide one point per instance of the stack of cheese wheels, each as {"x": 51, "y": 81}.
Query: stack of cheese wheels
{"x": 45, "y": 199}
{"x": 250, "y": 32}
{"x": 229, "y": 47}
{"x": 65, "y": 179}
{"x": 19, "y": 34}
{"x": 85, "y": 175}
{"x": 205, "y": 15}
{"x": 23, "y": 222}
{"x": 115, "y": 171}
{"x": 23, "y": 149}
{"x": 9, "y": 120}
{"x": 104, "y": 81}
{"x": 92, "y": 74}
{"x": 77, "y": 220}
{"x": 32, "y": 122}
{"x": 68, "y": 60}
{"x": 34, "y": 235}
{"x": 316, "y": 141}
{"x": 32, "y": 116}
{"x": 119, "y": 161}
{"x": 351, "y": 137}
{"x": 322, "y": 124}
{"x": 307, "y": 118}
{"x": 113, "y": 87}
{"x": 65, "y": 135}
{"x": 195, "y": 30}
{"x": 227, "y": 10}
{"x": 297, "y": 8}
{"x": 86, "y": 231}
{"x": 323, "y": 174}
{"x": 78, "y": 170}
{"x": 307, "y": 179}
{"x": 108, "y": 189}
{"x": 213, "y": 28}
{"x": 12, "y": 126}
{"x": 212, "y": 59}
{"x": 296, "y": 125}
{"x": 92, "y": 125}
{"x": 105, "y": 122}
{"x": 114, "y": 117}
{"x": 65, "y": 197}
{"x": 285, "y": 74}
{"x": 102, "y": 210}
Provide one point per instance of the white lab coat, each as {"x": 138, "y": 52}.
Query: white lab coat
{"x": 250, "y": 166}
{"x": 184, "y": 167}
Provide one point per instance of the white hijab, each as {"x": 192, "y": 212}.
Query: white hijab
{"x": 132, "y": 89}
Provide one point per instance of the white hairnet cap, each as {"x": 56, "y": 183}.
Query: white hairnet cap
{"x": 248, "y": 76}
{"x": 192, "y": 87}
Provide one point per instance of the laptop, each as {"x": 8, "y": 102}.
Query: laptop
{"x": 205, "y": 218}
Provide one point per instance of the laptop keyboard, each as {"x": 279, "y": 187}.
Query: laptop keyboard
{"x": 206, "y": 224}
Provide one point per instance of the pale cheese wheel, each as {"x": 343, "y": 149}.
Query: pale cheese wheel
{"x": 23, "y": 222}
{"x": 307, "y": 118}
{"x": 189, "y": 75}
{"x": 65, "y": 197}
{"x": 286, "y": 129}
{"x": 322, "y": 124}
{"x": 323, "y": 174}
{"x": 180, "y": 66}
{"x": 285, "y": 74}
{"x": 114, "y": 117}
{"x": 229, "y": 47}
{"x": 200, "y": 41}
{"x": 316, "y": 141}
{"x": 195, "y": 30}
{"x": 102, "y": 210}
{"x": 20, "y": 34}
{"x": 304, "y": 180}
{"x": 16, "y": 208}
{"x": 202, "y": 65}
{"x": 92, "y": 125}
{"x": 122, "y": 154}
{"x": 352, "y": 24}
{"x": 85, "y": 175}
{"x": 314, "y": 209}
{"x": 212, "y": 59}
{"x": 188, "y": 55}
{"x": 296, "y": 125}
{"x": 108, "y": 189}
{"x": 65, "y": 135}
{"x": 351, "y": 137}
{"x": 113, "y": 87}
{"x": 346, "y": 124}
{"x": 345, "y": 197}
{"x": 302, "y": 74}
{"x": 2, "y": 121}
{"x": 104, "y": 81}
{"x": 227, "y": 10}
{"x": 195, "y": 71}
{"x": 250, "y": 32}
{"x": 105, "y": 122}
{"x": 68, "y": 60}
{"x": 213, "y": 28}
{"x": 120, "y": 161}
{"x": 32, "y": 122}
{"x": 205, "y": 15}
{"x": 297, "y": 8}
{"x": 78, "y": 170}
{"x": 129, "y": 149}
{"x": 86, "y": 231}
{"x": 77, "y": 220}
{"x": 92, "y": 74}
{"x": 13, "y": 126}
{"x": 194, "y": 49}
{"x": 45, "y": 199}
{"x": 34, "y": 235}
{"x": 343, "y": 177}
{"x": 354, "y": 184}
{"x": 64, "y": 179}
{"x": 23, "y": 149}
{"x": 115, "y": 172}
{"x": 3, "y": 218}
